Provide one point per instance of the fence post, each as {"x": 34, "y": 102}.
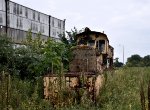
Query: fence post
{"x": 149, "y": 95}
{"x": 2, "y": 90}
{"x": 142, "y": 97}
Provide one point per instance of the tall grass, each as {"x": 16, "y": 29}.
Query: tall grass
{"x": 16, "y": 94}
{"x": 121, "y": 91}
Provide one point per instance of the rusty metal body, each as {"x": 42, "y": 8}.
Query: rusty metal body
{"x": 91, "y": 57}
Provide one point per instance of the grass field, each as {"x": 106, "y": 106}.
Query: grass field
{"x": 122, "y": 89}
{"x": 120, "y": 92}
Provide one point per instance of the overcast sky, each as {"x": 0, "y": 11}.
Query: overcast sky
{"x": 126, "y": 22}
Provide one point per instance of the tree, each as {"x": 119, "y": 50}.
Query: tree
{"x": 71, "y": 38}
{"x": 53, "y": 52}
{"x": 117, "y": 63}
{"x": 69, "y": 41}
{"x": 36, "y": 57}
{"x": 146, "y": 61}
{"x": 134, "y": 61}
{"x": 6, "y": 53}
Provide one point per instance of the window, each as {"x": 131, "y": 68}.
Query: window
{"x": 26, "y": 12}
{"x": 17, "y": 23}
{"x": 42, "y": 29}
{"x": 21, "y": 24}
{"x": 20, "y": 10}
{"x": 31, "y": 26}
{"x": 54, "y": 32}
{"x": 17, "y": 9}
{"x": 64, "y": 25}
{"x": 14, "y": 9}
{"x": 1, "y": 18}
{"x": 53, "y": 22}
{"x": 34, "y": 15}
{"x": 8, "y": 20}
{"x": 91, "y": 42}
{"x": 59, "y": 24}
{"x": 100, "y": 45}
{"x": 34, "y": 27}
{"x": 38, "y": 16}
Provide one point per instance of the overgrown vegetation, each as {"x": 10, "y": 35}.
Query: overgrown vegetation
{"x": 121, "y": 92}
{"x": 33, "y": 59}
{"x": 69, "y": 41}
{"x": 21, "y": 67}
{"x": 21, "y": 82}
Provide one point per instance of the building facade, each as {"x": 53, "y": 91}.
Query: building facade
{"x": 16, "y": 20}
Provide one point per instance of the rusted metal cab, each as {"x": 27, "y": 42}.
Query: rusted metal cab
{"x": 100, "y": 43}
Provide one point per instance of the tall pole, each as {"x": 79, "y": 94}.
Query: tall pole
{"x": 123, "y": 54}
{"x": 122, "y": 46}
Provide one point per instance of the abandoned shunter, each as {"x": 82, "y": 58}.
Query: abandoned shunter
{"x": 91, "y": 57}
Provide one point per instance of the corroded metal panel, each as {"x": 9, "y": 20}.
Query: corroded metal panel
{"x": 54, "y": 83}
{"x": 84, "y": 59}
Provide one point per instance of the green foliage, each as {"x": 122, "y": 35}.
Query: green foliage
{"x": 134, "y": 60}
{"x": 6, "y": 53}
{"x": 36, "y": 57}
{"x": 22, "y": 94}
{"x": 146, "y": 61}
{"x": 122, "y": 89}
{"x": 53, "y": 54}
{"x": 117, "y": 63}
{"x": 69, "y": 41}
{"x": 71, "y": 38}
{"x": 121, "y": 92}
{"x": 32, "y": 59}
{"x": 138, "y": 61}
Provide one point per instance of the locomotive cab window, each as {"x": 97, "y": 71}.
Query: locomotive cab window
{"x": 82, "y": 42}
{"x": 91, "y": 43}
{"x": 100, "y": 45}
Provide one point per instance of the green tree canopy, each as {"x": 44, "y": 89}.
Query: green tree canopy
{"x": 33, "y": 58}
{"x": 134, "y": 61}
{"x": 137, "y": 61}
{"x": 117, "y": 63}
{"x": 146, "y": 60}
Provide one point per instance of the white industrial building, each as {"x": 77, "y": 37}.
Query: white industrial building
{"x": 20, "y": 19}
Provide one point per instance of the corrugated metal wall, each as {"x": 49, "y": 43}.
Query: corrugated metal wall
{"x": 21, "y": 19}
{"x": 2, "y": 13}
{"x": 2, "y": 5}
{"x": 57, "y": 27}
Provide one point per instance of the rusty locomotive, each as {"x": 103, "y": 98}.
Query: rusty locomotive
{"x": 91, "y": 57}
